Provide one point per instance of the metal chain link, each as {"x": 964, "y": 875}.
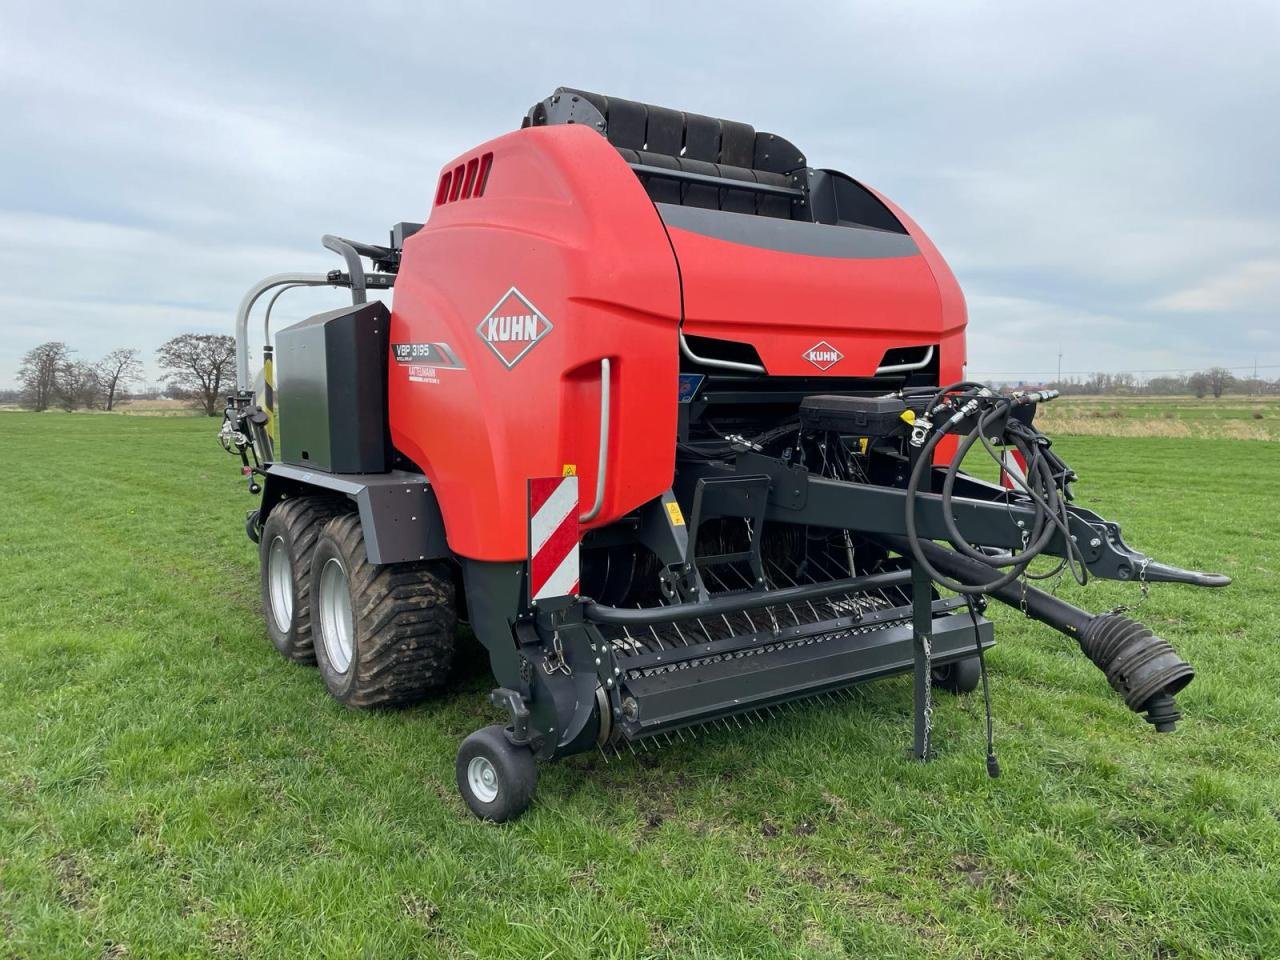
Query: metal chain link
{"x": 927, "y": 644}
{"x": 1144, "y": 587}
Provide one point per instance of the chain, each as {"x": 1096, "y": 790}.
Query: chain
{"x": 1144, "y": 587}
{"x": 555, "y": 663}
{"x": 928, "y": 696}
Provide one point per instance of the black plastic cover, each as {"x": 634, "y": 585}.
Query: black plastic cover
{"x": 853, "y": 416}
{"x": 331, "y": 373}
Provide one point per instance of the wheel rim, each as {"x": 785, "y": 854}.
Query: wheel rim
{"x": 335, "y": 615}
{"x": 482, "y": 778}
{"x": 280, "y": 584}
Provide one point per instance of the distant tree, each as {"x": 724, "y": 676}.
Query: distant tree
{"x": 1198, "y": 383}
{"x": 79, "y": 386}
{"x": 39, "y": 373}
{"x": 1219, "y": 379}
{"x": 199, "y": 363}
{"x": 1167, "y": 386}
{"x": 116, "y": 371}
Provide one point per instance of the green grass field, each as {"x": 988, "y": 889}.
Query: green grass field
{"x": 170, "y": 787}
{"x": 1230, "y": 417}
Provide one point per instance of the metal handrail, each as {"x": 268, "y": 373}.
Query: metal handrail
{"x": 724, "y": 183}
{"x": 346, "y": 249}
{"x": 266, "y": 319}
{"x": 723, "y": 364}
{"x": 907, "y": 367}
{"x": 246, "y": 306}
{"x": 602, "y": 463}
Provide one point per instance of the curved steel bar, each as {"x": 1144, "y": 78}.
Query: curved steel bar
{"x": 246, "y": 305}
{"x": 266, "y": 320}
{"x": 907, "y": 367}
{"x": 723, "y": 364}
{"x": 602, "y": 462}
{"x": 355, "y": 267}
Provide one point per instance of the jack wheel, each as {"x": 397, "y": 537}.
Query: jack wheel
{"x": 495, "y": 777}
{"x": 962, "y": 676}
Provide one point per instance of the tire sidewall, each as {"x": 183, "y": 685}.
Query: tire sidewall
{"x": 285, "y": 641}
{"x": 516, "y": 775}
{"x": 341, "y": 684}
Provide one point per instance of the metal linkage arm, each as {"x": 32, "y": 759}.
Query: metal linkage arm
{"x": 797, "y": 496}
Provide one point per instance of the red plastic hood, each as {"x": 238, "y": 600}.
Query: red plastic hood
{"x": 788, "y": 287}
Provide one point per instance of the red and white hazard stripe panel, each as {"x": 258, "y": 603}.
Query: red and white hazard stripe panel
{"x": 1013, "y": 467}
{"x": 553, "y": 537}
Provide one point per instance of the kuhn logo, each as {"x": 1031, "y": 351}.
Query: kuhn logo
{"x": 512, "y": 327}
{"x": 823, "y": 355}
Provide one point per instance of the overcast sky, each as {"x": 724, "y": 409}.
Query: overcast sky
{"x": 1105, "y": 177}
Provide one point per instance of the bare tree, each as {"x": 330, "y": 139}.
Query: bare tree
{"x": 78, "y": 386}
{"x": 117, "y": 370}
{"x": 39, "y": 374}
{"x": 1219, "y": 379}
{"x": 199, "y": 363}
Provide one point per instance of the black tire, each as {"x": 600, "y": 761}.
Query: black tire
{"x": 495, "y": 777}
{"x": 295, "y": 526}
{"x": 962, "y": 676}
{"x": 394, "y": 643}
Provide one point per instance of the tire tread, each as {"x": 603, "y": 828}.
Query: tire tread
{"x": 406, "y": 623}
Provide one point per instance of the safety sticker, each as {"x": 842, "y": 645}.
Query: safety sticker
{"x": 673, "y": 511}
{"x": 689, "y": 384}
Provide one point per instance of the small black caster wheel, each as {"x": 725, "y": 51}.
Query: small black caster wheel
{"x": 962, "y": 676}
{"x": 496, "y": 777}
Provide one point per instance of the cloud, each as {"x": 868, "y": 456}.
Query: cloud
{"x": 1252, "y": 287}
{"x": 1090, "y": 171}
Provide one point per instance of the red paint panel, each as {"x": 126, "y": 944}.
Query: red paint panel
{"x": 571, "y": 228}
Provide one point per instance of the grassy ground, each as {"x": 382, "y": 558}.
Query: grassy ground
{"x": 170, "y": 787}
{"x": 1229, "y": 417}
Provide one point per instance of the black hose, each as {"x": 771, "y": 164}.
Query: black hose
{"x": 1041, "y": 532}
{"x": 1049, "y": 508}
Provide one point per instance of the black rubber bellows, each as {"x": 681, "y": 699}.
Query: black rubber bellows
{"x": 1141, "y": 667}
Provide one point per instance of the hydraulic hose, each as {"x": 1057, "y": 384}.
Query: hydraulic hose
{"x": 1040, "y": 486}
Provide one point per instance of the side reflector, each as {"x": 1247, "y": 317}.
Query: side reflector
{"x": 554, "y": 567}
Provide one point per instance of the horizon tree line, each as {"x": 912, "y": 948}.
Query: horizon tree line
{"x": 197, "y": 369}
{"x": 198, "y": 366}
